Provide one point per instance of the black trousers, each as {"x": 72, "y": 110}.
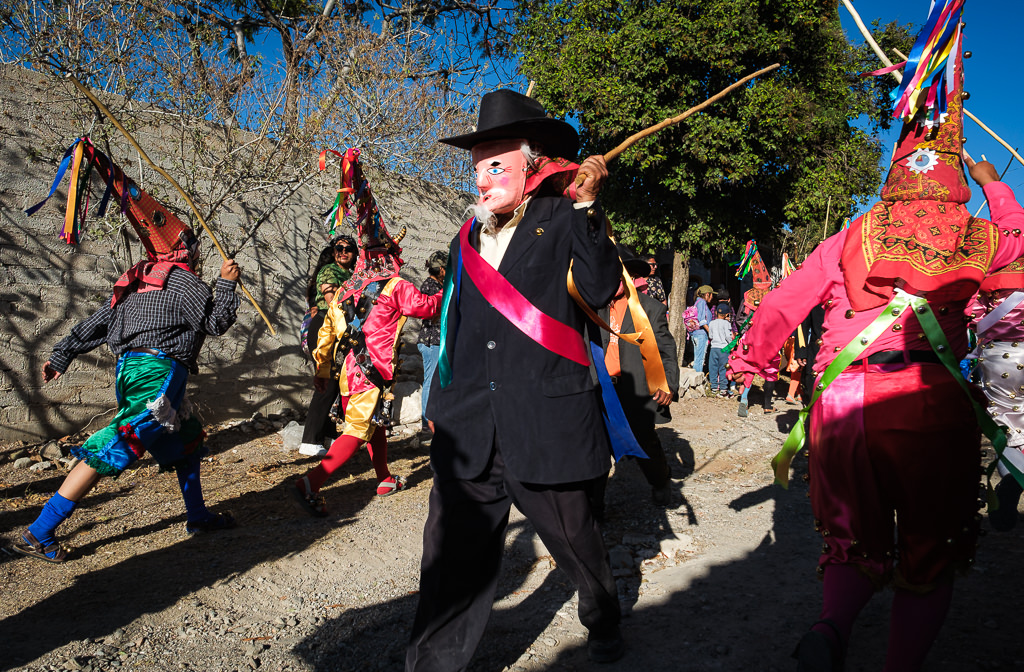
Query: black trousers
{"x": 319, "y": 425}
{"x": 641, "y": 422}
{"x": 463, "y": 541}
{"x": 807, "y": 380}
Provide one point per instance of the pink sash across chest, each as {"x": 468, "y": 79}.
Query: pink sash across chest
{"x": 545, "y": 330}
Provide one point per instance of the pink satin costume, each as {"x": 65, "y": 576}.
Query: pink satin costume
{"x": 885, "y": 438}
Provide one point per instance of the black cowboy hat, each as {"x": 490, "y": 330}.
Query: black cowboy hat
{"x": 506, "y": 115}
{"x": 637, "y": 267}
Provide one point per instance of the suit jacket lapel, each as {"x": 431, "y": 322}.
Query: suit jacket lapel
{"x": 627, "y": 323}
{"x": 605, "y": 314}
{"x": 536, "y": 216}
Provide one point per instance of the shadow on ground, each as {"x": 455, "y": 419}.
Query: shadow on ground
{"x": 100, "y": 602}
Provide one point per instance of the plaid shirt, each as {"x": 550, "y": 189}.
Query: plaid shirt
{"x": 430, "y": 330}
{"x": 174, "y": 320}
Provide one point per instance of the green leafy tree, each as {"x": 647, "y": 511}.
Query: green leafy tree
{"x": 768, "y": 159}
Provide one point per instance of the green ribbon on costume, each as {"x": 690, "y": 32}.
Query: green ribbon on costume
{"x": 940, "y": 345}
{"x": 732, "y": 344}
{"x": 444, "y": 364}
{"x": 333, "y": 214}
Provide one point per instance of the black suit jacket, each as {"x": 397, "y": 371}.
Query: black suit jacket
{"x": 543, "y": 410}
{"x": 632, "y": 383}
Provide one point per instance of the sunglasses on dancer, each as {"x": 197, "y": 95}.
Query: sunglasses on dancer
{"x": 344, "y": 248}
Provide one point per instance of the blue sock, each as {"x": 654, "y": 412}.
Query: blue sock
{"x": 192, "y": 490}
{"x": 54, "y": 512}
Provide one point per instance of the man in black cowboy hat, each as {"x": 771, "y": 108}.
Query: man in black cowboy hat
{"x": 517, "y": 416}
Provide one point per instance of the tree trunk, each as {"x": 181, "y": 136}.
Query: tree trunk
{"x": 677, "y": 298}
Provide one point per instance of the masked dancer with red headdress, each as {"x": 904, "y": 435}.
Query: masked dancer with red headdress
{"x": 517, "y": 416}
{"x": 155, "y": 324}
{"x": 359, "y": 341}
{"x": 753, "y": 263}
{"x": 894, "y": 443}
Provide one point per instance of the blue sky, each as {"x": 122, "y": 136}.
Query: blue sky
{"x": 990, "y": 76}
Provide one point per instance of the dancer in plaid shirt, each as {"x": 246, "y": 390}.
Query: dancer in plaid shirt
{"x": 155, "y": 324}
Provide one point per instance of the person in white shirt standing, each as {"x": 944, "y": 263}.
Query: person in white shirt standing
{"x": 721, "y": 333}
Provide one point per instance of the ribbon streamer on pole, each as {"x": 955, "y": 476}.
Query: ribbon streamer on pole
{"x": 107, "y": 113}
{"x": 672, "y": 121}
{"x": 899, "y": 77}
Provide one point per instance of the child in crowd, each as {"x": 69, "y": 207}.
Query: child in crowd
{"x": 721, "y": 333}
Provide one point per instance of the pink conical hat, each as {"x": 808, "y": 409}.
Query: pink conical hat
{"x": 928, "y": 161}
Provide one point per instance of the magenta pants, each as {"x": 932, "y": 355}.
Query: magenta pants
{"x": 894, "y": 464}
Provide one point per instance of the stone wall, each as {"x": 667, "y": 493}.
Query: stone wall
{"x": 46, "y": 286}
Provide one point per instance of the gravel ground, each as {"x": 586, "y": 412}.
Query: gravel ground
{"x": 722, "y": 580}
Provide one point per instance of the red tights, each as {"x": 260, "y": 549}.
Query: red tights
{"x": 915, "y": 618}
{"x": 345, "y": 447}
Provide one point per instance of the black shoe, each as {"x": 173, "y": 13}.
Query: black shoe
{"x": 215, "y": 523}
{"x": 817, "y": 652}
{"x": 662, "y": 495}
{"x": 607, "y": 648}
{"x": 1007, "y": 494}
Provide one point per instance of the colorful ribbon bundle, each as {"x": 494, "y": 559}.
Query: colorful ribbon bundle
{"x": 158, "y": 228}
{"x": 926, "y": 78}
{"x": 81, "y": 152}
{"x": 787, "y": 266}
{"x": 353, "y": 188}
{"x": 743, "y": 267}
{"x": 346, "y": 190}
{"x": 752, "y": 263}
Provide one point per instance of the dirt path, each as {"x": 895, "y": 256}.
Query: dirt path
{"x": 723, "y": 580}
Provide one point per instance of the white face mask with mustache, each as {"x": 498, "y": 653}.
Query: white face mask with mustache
{"x": 500, "y": 175}
{"x": 484, "y": 216}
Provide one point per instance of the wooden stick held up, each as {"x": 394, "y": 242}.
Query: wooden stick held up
{"x": 672, "y": 121}
{"x": 633, "y": 139}
{"x": 1001, "y": 176}
{"x": 871, "y": 40}
{"x": 109, "y": 115}
{"x": 997, "y": 138}
{"x": 828, "y": 211}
